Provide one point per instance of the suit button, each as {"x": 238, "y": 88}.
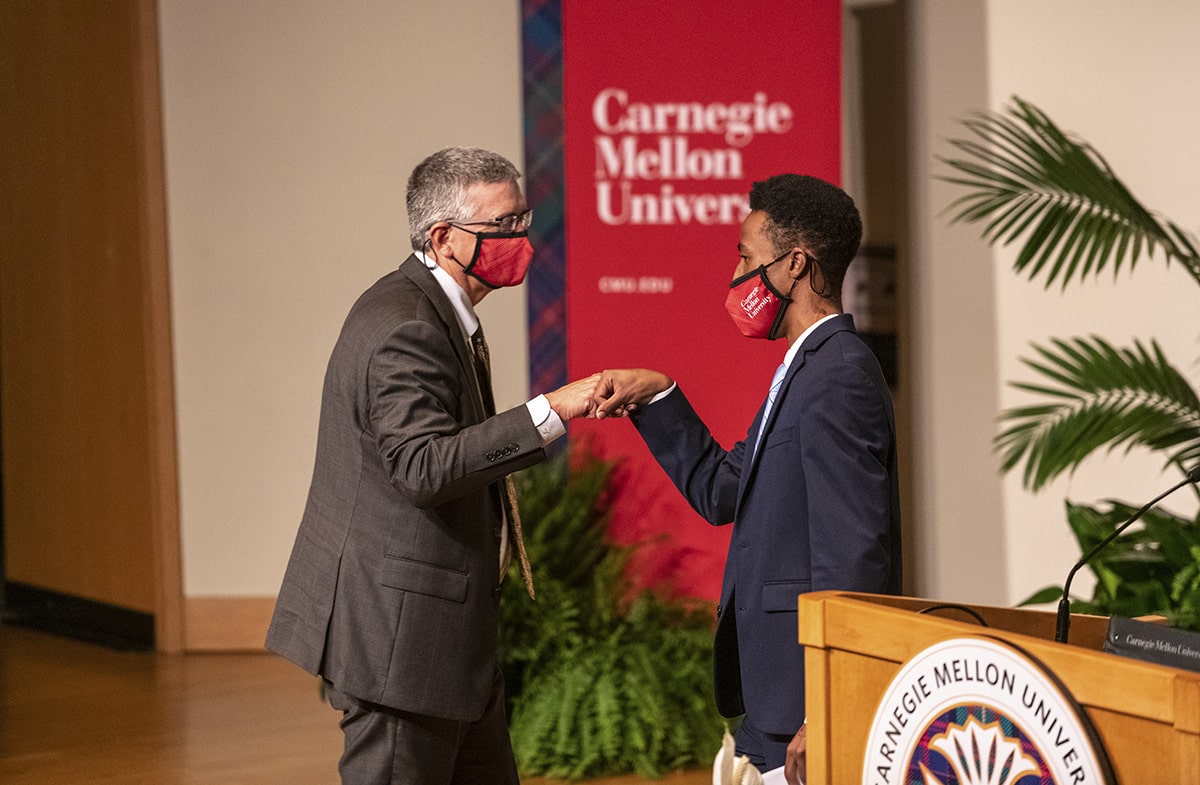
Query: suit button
{"x": 496, "y": 591}
{"x": 491, "y": 456}
{"x": 496, "y": 532}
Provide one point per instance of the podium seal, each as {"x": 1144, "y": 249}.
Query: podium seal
{"x": 976, "y": 710}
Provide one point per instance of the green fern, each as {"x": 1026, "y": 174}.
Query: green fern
{"x": 624, "y": 701}
{"x": 601, "y": 680}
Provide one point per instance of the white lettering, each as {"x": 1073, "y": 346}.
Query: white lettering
{"x": 600, "y": 114}
{"x": 738, "y": 122}
{"x": 672, "y": 159}
{"x": 655, "y": 285}
{"x": 645, "y": 141}
{"x": 616, "y": 206}
{"x": 610, "y": 285}
{"x": 646, "y": 284}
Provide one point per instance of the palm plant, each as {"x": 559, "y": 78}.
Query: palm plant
{"x": 1029, "y": 182}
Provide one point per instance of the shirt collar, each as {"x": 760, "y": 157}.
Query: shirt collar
{"x": 794, "y": 348}
{"x": 463, "y": 309}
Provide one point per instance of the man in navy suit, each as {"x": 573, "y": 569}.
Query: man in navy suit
{"x": 812, "y": 490}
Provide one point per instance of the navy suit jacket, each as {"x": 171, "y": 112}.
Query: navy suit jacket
{"x": 815, "y": 507}
{"x": 391, "y": 590}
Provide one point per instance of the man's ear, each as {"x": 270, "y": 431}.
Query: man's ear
{"x": 439, "y": 239}
{"x": 798, "y": 262}
{"x": 801, "y": 264}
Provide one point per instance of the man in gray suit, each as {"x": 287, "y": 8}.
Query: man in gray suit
{"x": 391, "y": 592}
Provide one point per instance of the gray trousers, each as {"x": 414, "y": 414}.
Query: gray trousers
{"x": 386, "y": 746}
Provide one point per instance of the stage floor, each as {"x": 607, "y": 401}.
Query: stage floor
{"x": 77, "y": 714}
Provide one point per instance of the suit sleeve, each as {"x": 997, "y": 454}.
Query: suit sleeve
{"x": 432, "y": 442}
{"x": 705, "y": 473}
{"x": 845, "y": 452}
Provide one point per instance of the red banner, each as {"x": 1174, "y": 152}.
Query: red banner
{"x": 671, "y": 111}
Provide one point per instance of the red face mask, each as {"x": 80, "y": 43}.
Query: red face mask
{"x": 500, "y": 258}
{"x": 756, "y": 306}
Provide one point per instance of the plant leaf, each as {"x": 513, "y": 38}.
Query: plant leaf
{"x": 1103, "y": 397}
{"x": 1026, "y": 178}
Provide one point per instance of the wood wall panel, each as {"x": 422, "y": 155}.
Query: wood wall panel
{"x": 87, "y": 425}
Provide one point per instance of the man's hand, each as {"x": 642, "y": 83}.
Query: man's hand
{"x": 796, "y": 762}
{"x": 575, "y": 399}
{"x": 622, "y": 391}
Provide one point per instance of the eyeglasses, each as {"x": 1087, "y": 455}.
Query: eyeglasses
{"x": 516, "y": 222}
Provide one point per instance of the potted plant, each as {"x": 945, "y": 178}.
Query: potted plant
{"x": 1028, "y": 182}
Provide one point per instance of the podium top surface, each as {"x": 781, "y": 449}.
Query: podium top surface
{"x": 897, "y": 628}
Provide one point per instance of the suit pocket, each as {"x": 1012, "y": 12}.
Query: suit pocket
{"x": 780, "y": 596}
{"x": 424, "y": 578}
{"x": 781, "y": 436}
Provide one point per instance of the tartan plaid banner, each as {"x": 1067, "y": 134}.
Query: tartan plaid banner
{"x": 541, "y": 57}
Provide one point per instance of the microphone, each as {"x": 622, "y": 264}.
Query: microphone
{"x": 1063, "y": 627}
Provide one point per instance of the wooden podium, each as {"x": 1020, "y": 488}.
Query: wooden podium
{"x": 1147, "y": 717}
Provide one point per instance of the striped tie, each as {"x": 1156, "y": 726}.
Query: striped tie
{"x": 483, "y": 367}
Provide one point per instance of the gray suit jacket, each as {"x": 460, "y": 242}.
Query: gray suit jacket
{"x": 391, "y": 589}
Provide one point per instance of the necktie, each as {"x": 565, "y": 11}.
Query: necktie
{"x": 526, "y": 573}
{"x": 483, "y": 369}
{"x": 776, "y": 382}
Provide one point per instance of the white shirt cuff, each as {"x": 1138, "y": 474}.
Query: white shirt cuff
{"x": 545, "y": 419}
{"x": 662, "y": 394}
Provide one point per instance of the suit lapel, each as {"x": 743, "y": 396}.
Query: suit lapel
{"x": 414, "y": 268}
{"x": 812, "y": 344}
{"x": 419, "y": 274}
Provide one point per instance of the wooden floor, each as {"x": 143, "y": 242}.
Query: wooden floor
{"x": 76, "y": 714}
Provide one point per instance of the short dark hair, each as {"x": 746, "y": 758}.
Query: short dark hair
{"x": 806, "y": 210}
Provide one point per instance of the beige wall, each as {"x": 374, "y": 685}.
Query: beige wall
{"x": 290, "y": 129}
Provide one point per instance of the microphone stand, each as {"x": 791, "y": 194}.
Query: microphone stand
{"x": 1063, "y": 625}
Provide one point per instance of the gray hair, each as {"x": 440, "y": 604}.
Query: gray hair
{"x": 437, "y": 187}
